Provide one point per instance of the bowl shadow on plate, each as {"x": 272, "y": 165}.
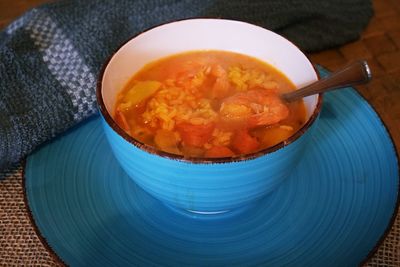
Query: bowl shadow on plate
{"x": 328, "y": 111}
{"x": 149, "y": 232}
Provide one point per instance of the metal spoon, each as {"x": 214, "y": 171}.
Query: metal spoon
{"x": 357, "y": 72}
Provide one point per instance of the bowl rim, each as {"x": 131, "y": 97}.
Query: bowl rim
{"x": 198, "y": 160}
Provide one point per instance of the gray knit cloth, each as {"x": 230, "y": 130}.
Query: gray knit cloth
{"x": 50, "y": 57}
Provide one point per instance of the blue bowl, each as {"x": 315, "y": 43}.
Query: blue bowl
{"x": 199, "y": 184}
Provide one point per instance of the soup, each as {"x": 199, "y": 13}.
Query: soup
{"x": 208, "y": 104}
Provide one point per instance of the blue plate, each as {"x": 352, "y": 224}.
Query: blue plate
{"x": 333, "y": 211}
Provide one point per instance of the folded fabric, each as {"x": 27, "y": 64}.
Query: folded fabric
{"x": 51, "y": 56}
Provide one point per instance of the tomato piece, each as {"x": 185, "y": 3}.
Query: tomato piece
{"x": 195, "y": 135}
{"x": 219, "y": 152}
{"x": 244, "y": 142}
{"x": 220, "y": 88}
{"x": 192, "y": 151}
{"x": 166, "y": 141}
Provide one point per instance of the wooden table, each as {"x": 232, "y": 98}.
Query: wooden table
{"x": 379, "y": 44}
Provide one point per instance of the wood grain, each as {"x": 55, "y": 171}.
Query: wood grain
{"x": 380, "y": 46}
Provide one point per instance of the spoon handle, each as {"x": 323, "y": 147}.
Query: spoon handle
{"x": 357, "y": 72}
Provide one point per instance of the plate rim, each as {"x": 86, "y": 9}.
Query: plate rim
{"x": 370, "y": 254}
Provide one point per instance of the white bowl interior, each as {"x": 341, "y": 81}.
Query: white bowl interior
{"x": 206, "y": 34}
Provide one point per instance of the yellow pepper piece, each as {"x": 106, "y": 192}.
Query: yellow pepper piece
{"x": 140, "y": 91}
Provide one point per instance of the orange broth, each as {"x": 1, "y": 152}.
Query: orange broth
{"x": 208, "y": 104}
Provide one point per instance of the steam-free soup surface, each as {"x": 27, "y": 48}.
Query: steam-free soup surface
{"x": 208, "y": 104}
